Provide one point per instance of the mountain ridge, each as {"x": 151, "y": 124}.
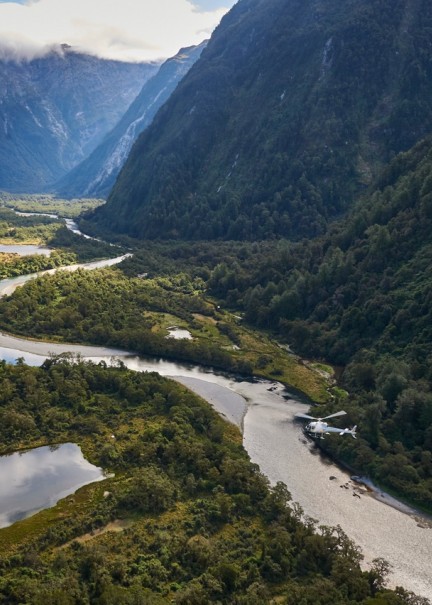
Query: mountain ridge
{"x": 55, "y": 108}
{"x": 287, "y": 116}
{"x": 96, "y": 174}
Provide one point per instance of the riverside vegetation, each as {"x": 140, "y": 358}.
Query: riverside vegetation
{"x": 200, "y": 523}
{"x": 176, "y": 547}
{"x": 361, "y": 297}
{"x": 342, "y": 88}
{"x": 68, "y": 248}
{"x": 106, "y": 307}
{"x": 358, "y": 297}
{"x": 48, "y": 204}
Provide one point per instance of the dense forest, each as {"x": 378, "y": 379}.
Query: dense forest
{"x": 357, "y": 297}
{"x": 342, "y": 88}
{"x": 107, "y": 308}
{"x": 200, "y": 522}
{"x": 361, "y": 296}
{"x": 289, "y": 113}
{"x": 296, "y": 231}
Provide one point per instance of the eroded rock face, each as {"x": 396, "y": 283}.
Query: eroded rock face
{"x": 95, "y": 176}
{"x": 55, "y": 109}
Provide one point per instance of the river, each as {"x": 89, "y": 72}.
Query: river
{"x": 265, "y": 412}
{"x": 69, "y": 223}
{"x": 28, "y": 249}
{"x": 7, "y": 286}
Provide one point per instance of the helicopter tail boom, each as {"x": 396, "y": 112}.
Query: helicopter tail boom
{"x": 352, "y": 432}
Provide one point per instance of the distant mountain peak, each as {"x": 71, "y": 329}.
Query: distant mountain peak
{"x": 56, "y": 108}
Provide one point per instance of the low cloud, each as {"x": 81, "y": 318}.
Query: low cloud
{"x": 118, "y": 29}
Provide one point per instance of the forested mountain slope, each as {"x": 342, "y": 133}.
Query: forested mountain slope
{"x": 364, "y": 284}
{"x": 96, "y": 175}
{"x": 55, "y": 109}
{"x": 361, "y": 295}
{"x": 289, "y": 113}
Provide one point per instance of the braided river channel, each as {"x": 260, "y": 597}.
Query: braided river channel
{"x": 264, "y": 411}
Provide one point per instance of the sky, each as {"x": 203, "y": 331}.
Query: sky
{"x": 129, "y": 30}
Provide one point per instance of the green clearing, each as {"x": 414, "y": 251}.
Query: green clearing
{"x": 104, "y": 307}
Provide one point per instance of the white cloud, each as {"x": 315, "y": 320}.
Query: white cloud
{"x": 119, "y": 29}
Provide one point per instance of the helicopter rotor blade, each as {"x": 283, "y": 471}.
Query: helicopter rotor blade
{"x": 305, "y": 416}
{"x": 341, "y": 413}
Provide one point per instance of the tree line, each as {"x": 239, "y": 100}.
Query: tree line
{"x": 204, "y": 524}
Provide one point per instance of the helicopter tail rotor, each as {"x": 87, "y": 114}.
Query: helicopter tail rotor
{"x": 352, "y": 432}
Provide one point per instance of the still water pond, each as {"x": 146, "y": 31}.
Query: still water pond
{"x": 179, "y": 333}
{"x": 37, "y": 479}
{"x": 24, "y": 249}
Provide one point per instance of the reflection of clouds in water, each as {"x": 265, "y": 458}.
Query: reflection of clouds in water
{"x": 14, "y": 516}
{"x": 276, "y": 443}
{"x": 22, "y": 468}
{"x": 37, "y": 479}
{"x": 11, "y": 355}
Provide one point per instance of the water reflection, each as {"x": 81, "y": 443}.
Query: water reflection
{"x": 24, "y": 249}
{"x": 37, "y": 479}
{"x": 266, "y": 411}
{"x": 179, "y": 333}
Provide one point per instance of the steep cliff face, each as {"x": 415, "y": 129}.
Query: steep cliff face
{"x": 288, "y": 114}
{"x": 55, "y": 109}
{"x": 96, "y": 175}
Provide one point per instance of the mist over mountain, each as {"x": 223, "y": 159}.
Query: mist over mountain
{"x": 290, "y": 112}
{"x": 306, "y": 120}
{"x": 95, "y": 176}
{"x": 56, "y": 108}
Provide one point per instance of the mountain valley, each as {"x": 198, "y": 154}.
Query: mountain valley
{"x": 269, "y": 196}
{"x": 55, "y": 109}
{"x": 95, "y": 176}
{"x": 289, "y": 114}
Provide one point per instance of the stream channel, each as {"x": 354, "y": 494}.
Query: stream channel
{"x": 264, "y": 411}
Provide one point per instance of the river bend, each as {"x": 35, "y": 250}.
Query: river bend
{"x": 265, "y": 412}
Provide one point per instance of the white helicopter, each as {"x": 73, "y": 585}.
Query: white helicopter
{"x": 319, "y": 428}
